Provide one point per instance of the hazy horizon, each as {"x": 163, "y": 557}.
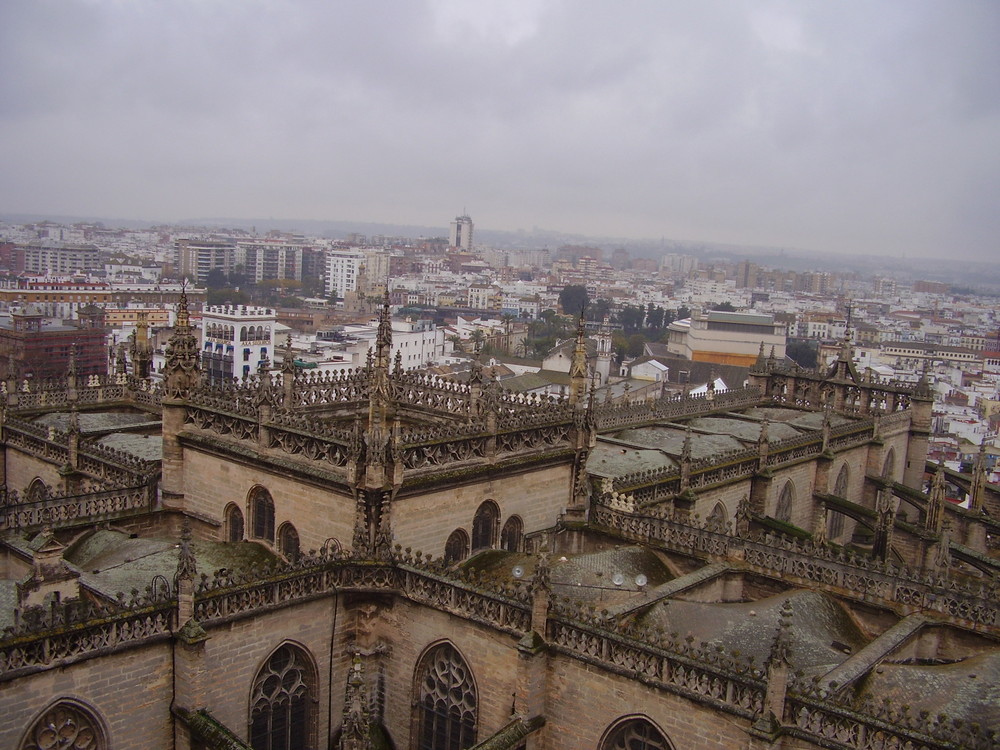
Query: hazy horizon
{"x": 848, "y": 128}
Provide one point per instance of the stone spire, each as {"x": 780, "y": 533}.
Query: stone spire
{"x": 141, "y": 349}
{"x": 935, "y": 501}
{"x": 181, "y": 372}
{"x": 379, "y": 396}
{"x": 977, "y": 486}
{"x": 884, "y": 525}
{"x": 578, "y": 366}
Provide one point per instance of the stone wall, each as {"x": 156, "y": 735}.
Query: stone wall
{"x": 130, "y": 691}
{"x": 211, "y": 483}
{"x": 424, "y": 521}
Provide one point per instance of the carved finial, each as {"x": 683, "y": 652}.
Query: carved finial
{"x": 287, "y": 357}
{"x": 686, "y": 446}
{"x": 187, "y": 567}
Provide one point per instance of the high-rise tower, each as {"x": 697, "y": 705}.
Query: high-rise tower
{"x": 461, "y": 232}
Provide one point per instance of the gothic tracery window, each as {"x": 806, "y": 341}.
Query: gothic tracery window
{"x": 457, "y": 546}
{"x": 288, "y": 542}
{"x": 262, "y": 514}
{"x": 485, "y": 525}
{"x": 282, "y": 716}
{"x": 36, "y": 491}
{"x": 234, "y": 524}
{"x": 65, "y": 725}
{"x": 635, "y": 734}
{"x": 510, "y": 536}
{"x": 446, "y": 701}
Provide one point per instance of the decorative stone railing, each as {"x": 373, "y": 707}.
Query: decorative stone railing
{"x": 97, "y": 461}
{"x": 609, "y": 417}
{"x": 877, "y": 726}
{"x": 731, "y": 682}
{"x": 973, "y": 602}
{"x": 58, "y": 644}
{"x": 88, "y": 389}
{"x": 651, "y": 485}
{"x": 58, "y": 510}
{"x": 226, "y": 596}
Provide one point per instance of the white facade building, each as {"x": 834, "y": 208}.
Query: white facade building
{"x": 461, "y": 233}
{"x": 342, "y": 269}
{"x": 236, "y": 339}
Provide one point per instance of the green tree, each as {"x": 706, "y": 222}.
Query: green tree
{"x": 216, "y": 279}
{"x": 726, "y": 306}
{"x": 631, "y": 318}
{"x": 573, "y": 299}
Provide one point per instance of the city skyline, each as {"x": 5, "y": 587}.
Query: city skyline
{"x": 854, "y": 128}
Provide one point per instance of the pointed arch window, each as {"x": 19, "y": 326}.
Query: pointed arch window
{"x": 457, "y": 546}
{"x": 512, "y": 534}
{"x": 36, "y": 491}
{"x": 635, "y": 734}
{"x": 835, "y": 520}
{"x": 262, "y": 514}
{"x": 234, "y": 524}
{"x": 485, "y": 525}
{"x": 288, "y": 542}
{"x": 446, "y": 701}
{"x": 65, "y": 724}
{"x": 282, "y": 712}
{"x": 889, "y": 467}
{"x": 783, "y": 511}
{"x": 717, "y": 519}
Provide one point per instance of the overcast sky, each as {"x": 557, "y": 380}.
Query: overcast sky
{"x": 862, "y": 127}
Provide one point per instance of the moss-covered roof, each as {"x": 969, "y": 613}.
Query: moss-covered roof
{"x": 111, "y": 561}
{"x": 821, "y": 629}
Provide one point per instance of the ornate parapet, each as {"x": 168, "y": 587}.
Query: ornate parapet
{"x": 970, "y": 602}
{"x": 96, "y": 461}
{"x": 609, "y": 417}
{"x": 65, "y": 509}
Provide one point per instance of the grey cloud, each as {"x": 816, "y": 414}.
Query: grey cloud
{"x": 849, "y": 126}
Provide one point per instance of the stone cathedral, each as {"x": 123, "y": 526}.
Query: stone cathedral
{"x": 388, "y": 559}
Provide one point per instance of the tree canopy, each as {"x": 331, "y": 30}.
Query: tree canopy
{"x": 573, "y": 299}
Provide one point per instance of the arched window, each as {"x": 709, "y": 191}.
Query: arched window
{"x": 834, "y": 519}
{"x": 288, "y": 542}
{"x": 36, "y": 491}
{"x": 485, "y": 525}
{"x": 446, "y": 701}
{"x": 282, "y": 716}
{"x": 262, "y": 514}
{"x": 783, "y": 511}
{"x": 511, "y": 535}
{"x": 636, "y": 733}
{"x": 843, "y": 478}
{"x": 457, "y": 546}
{"x": 717, "y": 519}
{"x": 889, "y": 467}
{"x": 234, "y": 524}
{"x": 65, "y": 724}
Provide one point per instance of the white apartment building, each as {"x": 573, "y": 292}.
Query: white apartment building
{"x": 461, "y": 233}
{"x": 270, "y": 259}
{"x": 417, "y": 342}
{"x": 342, "y": 270}
{"x": 236, "y": 339}
{"x": 194, "y": 259}
{"x": 60, "y": 260}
